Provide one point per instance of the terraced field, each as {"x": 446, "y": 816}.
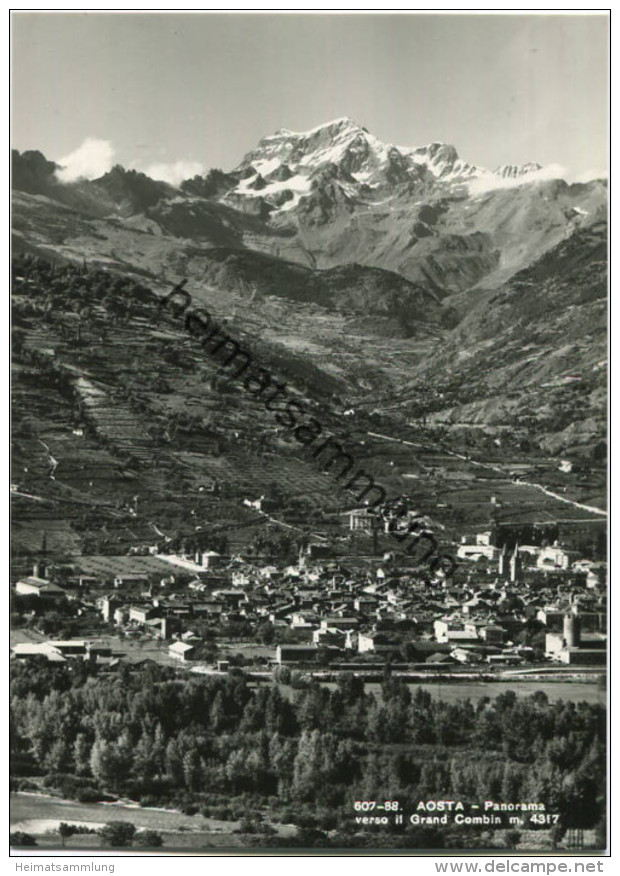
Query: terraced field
{"x": 113, "y": 411}
{"x": 115, "y": 422}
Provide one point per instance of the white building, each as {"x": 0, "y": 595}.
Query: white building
{"x": 554, "y": 557}
{"x": 41, "y": 587}
{"x": 181, "y": 651}
{"x": 480, "y": 547}
{"x": 207, "y": 559}
{"x": 361, "y": 520}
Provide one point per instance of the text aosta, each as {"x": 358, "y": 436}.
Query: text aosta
{"x": 440, "y": 806}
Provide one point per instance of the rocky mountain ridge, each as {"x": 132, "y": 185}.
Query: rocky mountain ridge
{"x": 337, "y": 194}
{"x": 385, "y": 241}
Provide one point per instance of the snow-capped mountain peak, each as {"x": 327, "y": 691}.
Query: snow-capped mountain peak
{"x": 288, "y": 166}
{"x": 344, "y": 123}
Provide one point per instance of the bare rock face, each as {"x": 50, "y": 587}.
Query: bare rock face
{"x": 337, "y": 194}
{"x": 281, "y": 174}
{"x": 32, "y": 172}
{"x": 493, "y": 283}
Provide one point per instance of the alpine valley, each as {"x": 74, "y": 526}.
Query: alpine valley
{"x": 407, "y": 294}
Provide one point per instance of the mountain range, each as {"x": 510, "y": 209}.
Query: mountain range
{"x": 490, "y": 285}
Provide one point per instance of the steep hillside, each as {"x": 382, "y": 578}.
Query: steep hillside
{"x": 115, "y": 404}
{"x": 119, "y": 192}
{"x": 531, "y": 355}
{"x": 425, "y": 287}
{"x": 338, "y": 195}
{"x": 422, "y": 212}
{"x": 351, "y": 289}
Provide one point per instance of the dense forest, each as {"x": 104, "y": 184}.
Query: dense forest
{"x": 229, "y": 749}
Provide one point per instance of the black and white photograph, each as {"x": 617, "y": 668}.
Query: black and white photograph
{"x": 309, "y": 433}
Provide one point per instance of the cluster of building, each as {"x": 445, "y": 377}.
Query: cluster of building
{"x": 521, "y": 604}
{"x": 59, "y": 651}
{"x": 523, "y": 557}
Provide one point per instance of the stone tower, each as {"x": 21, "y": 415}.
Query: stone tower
{"x": 515, "y": 565}
{"x": 502, "y": 564}
{"x": 572, "y": 630}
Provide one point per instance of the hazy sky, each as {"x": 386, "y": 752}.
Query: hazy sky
{"x": 178, "y": 93}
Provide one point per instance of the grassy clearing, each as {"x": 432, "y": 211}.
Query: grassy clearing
{"x": 173, "y": 842}
{"x": 203, "y": 840}
{"x": 103, "y": 567}
{"x": 40, "y": 815}
{"x": 575, "y": 692}
{"x": 33, "y": 807}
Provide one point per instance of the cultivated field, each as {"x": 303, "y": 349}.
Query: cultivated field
{"x": 104, "y": 567}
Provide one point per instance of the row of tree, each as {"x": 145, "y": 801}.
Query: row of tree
{"x": 150, "y": 733}
{"x": 115, "y": 834}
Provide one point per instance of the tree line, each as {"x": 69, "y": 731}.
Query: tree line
{"x": 189, "y": 742}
